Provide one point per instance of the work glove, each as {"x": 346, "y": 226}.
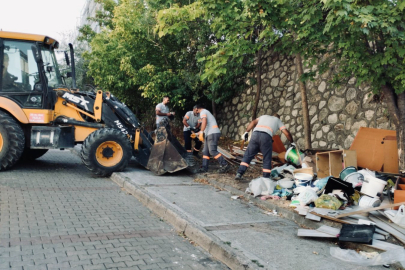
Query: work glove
{"x": 245, "y": 136}
{"x": 293, "y": 145}
{"x": 201, "y": 136}
{"x": 188, "y": 128}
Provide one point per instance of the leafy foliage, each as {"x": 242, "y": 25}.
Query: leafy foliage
{"x": 129, "y": 59}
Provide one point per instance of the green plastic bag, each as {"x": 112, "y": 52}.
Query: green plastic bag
{"x": 329, "y": 202}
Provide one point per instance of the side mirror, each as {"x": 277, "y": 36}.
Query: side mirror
{"x": 38, "y": 87}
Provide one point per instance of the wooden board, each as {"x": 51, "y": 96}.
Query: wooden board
{"x": 335, "y": 163}
{"x": 385, "y": 220}
{"x": 381, "y": 245}
{"x": 225, "y": 153}
{"x": 388, "y": 228}
{"x": 313, "y": 217}
{"x": 322, "y": 164}
{"x": 314, "y": 233}
{"x": 378, "y": 236}
{"x": 366, "y": 210}
{"x": 390, "y": 155}
{"x": 329, "y": 230}
{"x": 278, "y": 145}
{"x": 370, "y": 151}
{"x": 382, "y": 232}
{"x": 331, "y": 218}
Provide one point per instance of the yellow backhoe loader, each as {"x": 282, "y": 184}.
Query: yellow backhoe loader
{"x": 38, "y": 111}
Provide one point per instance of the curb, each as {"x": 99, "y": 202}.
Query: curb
{"x": 209, "y": 242}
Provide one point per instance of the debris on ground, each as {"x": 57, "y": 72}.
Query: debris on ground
{"x": 345, "y": 186}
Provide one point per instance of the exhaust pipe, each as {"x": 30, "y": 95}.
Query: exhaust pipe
{"x": 72, "y": 57}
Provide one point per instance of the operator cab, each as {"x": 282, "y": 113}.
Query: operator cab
{"x": 29, "y": 70}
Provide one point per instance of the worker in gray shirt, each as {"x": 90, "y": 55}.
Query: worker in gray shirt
{"x": 209, "y": 128}
{"x": 162, "y": 111}
{"x": 192, "y": 124}
{"x": 262, "y": 140}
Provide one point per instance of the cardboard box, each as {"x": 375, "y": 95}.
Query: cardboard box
{"x": 399, "y": 193}
{"x": 376, "y": 149}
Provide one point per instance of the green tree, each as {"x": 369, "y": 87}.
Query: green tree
{"x": 246, "y": 28}
{"x": 367, "y": 38}
{"x": 130, "y": 60}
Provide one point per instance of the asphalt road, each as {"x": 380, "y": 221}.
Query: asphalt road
{"x": 54, "y": 214}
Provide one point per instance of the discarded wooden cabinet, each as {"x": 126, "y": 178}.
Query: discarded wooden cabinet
{"x": 333, "y": 162}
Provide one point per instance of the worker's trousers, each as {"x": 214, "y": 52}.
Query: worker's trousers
{"x": 260, "y": 142}
{"x": 210, "y": 148}
{"x": 188, "y": 140}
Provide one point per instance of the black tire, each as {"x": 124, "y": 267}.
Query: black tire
{"x": 12, "y": 141}
{"x": 97, "y": 159}
{"x": 32, "y": 154}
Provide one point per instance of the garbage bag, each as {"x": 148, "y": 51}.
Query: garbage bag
{"x": 398, "y": 217}
{"x": 328, "y": 201}
{"x": 307, "y": 196}
{"x": 351, "y": 256}
{"x": 261, "y": 186}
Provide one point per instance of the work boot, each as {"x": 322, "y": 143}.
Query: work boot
{"x": 224, "y": 168}
{"x": 201, "y": 170}
{"x": 190, "y": 160}
{"x": 238, "y": 177}
{"x": 195, "y": 153}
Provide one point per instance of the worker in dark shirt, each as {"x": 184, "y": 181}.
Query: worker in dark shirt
{"x": 192, "y": 123}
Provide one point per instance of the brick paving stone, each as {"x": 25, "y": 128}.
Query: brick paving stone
{"x": 56, "y": 215}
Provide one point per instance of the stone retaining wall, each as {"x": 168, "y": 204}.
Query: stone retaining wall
{"x": 336, "y": 113}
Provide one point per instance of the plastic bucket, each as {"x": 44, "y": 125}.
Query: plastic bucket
{"x": 367, "y": 201}
{"x": 285, "y": 183}
{"x": 354, "y": 178}
{"x": 346, "y": 171}
{"x": 292, "y": 156}
{"x": 302, "y": 179}
{"x": 372, "y": 186}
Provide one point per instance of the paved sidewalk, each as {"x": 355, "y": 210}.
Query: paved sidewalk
{"x": 54, "y": 214}
{"x": 237, "y": 233}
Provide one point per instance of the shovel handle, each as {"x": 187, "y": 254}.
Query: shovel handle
{"x": 298, "y": 153}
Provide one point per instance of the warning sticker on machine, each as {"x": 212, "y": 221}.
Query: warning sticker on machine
{"x": 37, "y": 118}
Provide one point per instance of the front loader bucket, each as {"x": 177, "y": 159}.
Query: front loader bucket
{"x": 167, "y": 154}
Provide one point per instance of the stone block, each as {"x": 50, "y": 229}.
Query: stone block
{"x": 339, "y": 127}
{"x": 322, "y": 87}
{"x": 322, "y": 104}
{"x": 332, "y": 119}
{"x": 323, "y": 114}
{"x": 274, "y": 82}
{"x": 336, "y": 103}
{"x": 369, "y": 114}
{"x": 351, "y": 108}
{"x": 351, "y": 93}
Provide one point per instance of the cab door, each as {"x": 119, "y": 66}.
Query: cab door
{"x": 20, "y": 77}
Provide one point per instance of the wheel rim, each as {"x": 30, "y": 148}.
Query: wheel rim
{"x": 1, "y": 142}
{"x": 109, "y": 154}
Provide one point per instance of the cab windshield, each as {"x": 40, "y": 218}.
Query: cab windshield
{"x": 51, "y": 68}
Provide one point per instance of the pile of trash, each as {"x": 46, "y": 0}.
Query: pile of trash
{"x": 361, "y": 189}
{"x": 303, "y": 187}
